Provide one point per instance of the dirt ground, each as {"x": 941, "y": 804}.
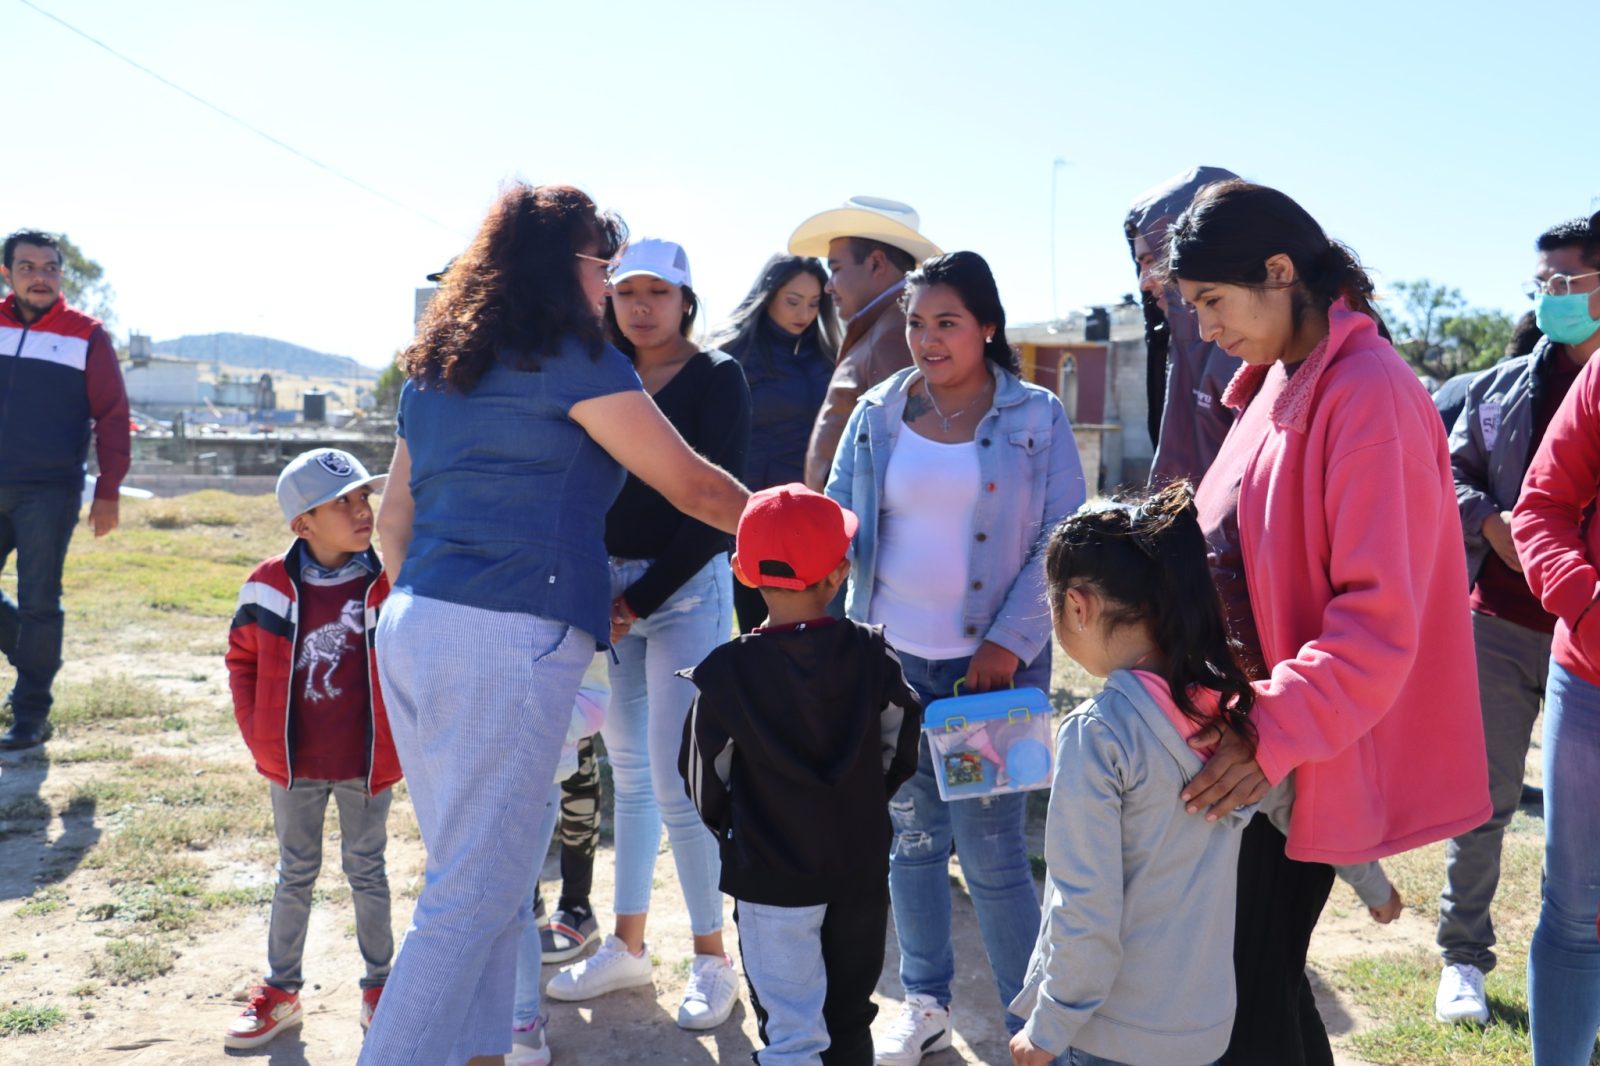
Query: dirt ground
{"x": 177, "y": 1019}
{"x": 145, "y": 828}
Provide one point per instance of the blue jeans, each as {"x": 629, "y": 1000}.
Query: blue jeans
{"x": 530, "y": 951}
{"x": 479, "y": 702}
{"x": 1564, "y": 959}
{"x": 644, "y": 730}
{"x": 37, "y": 523}
{"x": 988, "y": 836}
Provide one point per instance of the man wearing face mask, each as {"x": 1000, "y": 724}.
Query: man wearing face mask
{"x": 60, "y": 378}
{"x": 1185, "y": 375}
{"x": 1505, "y": 415}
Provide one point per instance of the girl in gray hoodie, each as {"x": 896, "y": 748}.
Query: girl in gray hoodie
{"x": 1134, "y": 961}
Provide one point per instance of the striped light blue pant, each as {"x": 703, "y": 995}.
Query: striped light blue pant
{"x": 479, "y": 702}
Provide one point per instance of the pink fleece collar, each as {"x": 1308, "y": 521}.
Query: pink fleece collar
{"x": 1293, "y": 407}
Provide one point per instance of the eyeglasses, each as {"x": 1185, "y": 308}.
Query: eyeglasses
{"x": 1555, "y": 284}
{"x": 609, "y": 264}
{"x": 25, "y": 269}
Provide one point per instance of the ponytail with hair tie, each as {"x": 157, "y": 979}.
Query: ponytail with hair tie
{"x": 1146, "y": 558}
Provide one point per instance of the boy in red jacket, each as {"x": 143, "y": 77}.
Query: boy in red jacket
{"x": 304, "y": 676}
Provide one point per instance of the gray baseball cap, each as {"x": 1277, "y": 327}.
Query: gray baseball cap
{"x": 323, "y": 474}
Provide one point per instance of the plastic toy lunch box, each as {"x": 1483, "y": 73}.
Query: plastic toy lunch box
{"x": 990, "y": 743}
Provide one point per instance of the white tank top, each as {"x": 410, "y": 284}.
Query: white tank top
{"x": 924, "y": 525}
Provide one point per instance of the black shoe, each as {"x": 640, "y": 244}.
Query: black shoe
{"x": 1532, "y": 796}
{"x": 20, "y": 737}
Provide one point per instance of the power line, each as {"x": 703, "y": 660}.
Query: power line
{"x": 236, "y": 120}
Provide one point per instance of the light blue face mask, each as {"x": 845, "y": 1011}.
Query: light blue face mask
{"x": 1565, "y": 319}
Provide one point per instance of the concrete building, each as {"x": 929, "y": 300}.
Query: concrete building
{"x": 157, "y": 383}
{"x": 1100, "y": 383}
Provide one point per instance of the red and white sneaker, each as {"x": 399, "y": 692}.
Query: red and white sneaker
{"x": 369, "y": 1006}
{"x": 270, "y": 1012}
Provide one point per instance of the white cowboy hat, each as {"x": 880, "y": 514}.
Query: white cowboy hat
{"x": 873, "y": 217}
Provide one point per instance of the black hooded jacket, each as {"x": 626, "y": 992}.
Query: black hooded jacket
{"x": 1185, "y": 375}
{"x": 797, "y": 739}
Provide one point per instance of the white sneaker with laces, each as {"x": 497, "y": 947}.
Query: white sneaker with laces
{"x": 610, "y": 968}
{"x": 713, "y": 990}
{"x": 1460, "y": 997}
{"x": 922, "y": 1028}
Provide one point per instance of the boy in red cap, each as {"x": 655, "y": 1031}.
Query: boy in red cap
{"x": 800, "y": 733}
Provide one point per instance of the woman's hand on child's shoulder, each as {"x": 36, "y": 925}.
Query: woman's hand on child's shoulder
{"x": 1231, "y": 778}
{"x": 1023, "y": 1052}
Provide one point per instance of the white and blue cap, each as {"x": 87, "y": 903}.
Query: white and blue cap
{"x": 320, "y": 476}
{"x": 657, "y": 259}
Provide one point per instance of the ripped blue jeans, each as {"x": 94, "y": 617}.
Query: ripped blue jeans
{"x": 988, "y": 837}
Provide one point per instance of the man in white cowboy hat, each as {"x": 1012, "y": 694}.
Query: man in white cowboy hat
{"x": 870, "y": 245}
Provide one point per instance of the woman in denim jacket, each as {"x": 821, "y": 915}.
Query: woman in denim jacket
{"x": 958, "y": 471}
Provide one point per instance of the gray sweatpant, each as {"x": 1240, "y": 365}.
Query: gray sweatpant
{"x": 811, "y": 972}
{"x": 297, "y": 816}
{"x": 1513, "y": 663}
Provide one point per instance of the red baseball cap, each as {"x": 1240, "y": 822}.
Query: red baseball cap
{"x": 790, "y": 538}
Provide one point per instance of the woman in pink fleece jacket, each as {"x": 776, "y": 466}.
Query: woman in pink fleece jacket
{"x": 1335, "y": 542}
{"x": 1558, "y": 542}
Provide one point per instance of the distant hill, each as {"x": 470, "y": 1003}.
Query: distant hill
{"x": 263, "y": 353}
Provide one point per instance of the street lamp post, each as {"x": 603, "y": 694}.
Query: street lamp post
{"x": 1055, "y": 289}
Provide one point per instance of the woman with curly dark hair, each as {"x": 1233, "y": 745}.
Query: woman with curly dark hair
{"x": 516, "y": 422}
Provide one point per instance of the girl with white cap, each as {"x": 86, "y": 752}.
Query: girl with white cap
{"x": 672, "y": 604}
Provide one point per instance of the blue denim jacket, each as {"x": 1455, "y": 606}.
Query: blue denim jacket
{"x": 1028, "y": 463}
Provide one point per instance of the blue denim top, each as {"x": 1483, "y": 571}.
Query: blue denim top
{"x": 1030, "y": 480}
{"x": 511, "y": 494}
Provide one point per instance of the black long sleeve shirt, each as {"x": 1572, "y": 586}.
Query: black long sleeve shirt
{"x": 708, "y": 402}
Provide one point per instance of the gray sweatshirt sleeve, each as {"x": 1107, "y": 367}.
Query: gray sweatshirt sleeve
{"x": 1083, "y": 847}
{"x": 1369, "y": 881}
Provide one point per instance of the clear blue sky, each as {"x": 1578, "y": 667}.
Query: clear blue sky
{"x": 1410, "y": 130}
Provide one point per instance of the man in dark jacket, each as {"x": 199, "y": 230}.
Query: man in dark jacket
{"x": 870, "y": 244}
{"x": 1185, "y": 375}
{"x": 62, "y": 383}
{"x": 1506, "y": 411}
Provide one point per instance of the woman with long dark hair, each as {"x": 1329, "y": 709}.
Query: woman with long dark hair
{"x": 516, "y": 422}
{"x": 958, "y": 471}
{"x": 1351, "y": 615}
{"x": 672, "y": 604}
{"x": 786, "y": 336}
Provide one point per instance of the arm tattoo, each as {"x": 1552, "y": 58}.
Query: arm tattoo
{"x": 917, "y": 405}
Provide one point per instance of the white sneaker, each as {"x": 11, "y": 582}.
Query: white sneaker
{"x": 712, "y": 992}
{"x": 1460, "y": 997}
{"x": 610, "y": 968}
{"x": 528, "y": 1046}
{"x": 922, "y": 1028}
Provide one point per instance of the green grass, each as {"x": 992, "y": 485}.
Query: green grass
{"x": 20, "y": 1021}
{"x": 1397, "y": 990}
{"x": 25, "y": 809}
{"x": 129, "y": 961}
{"x": 109, "y": 699}
{"x": 44, "y": 901}
{"x": 103, "y": 751}
{"x": 17, "y": 956}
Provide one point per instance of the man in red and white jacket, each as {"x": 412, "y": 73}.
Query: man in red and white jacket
{"x": 58, "y": 381}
